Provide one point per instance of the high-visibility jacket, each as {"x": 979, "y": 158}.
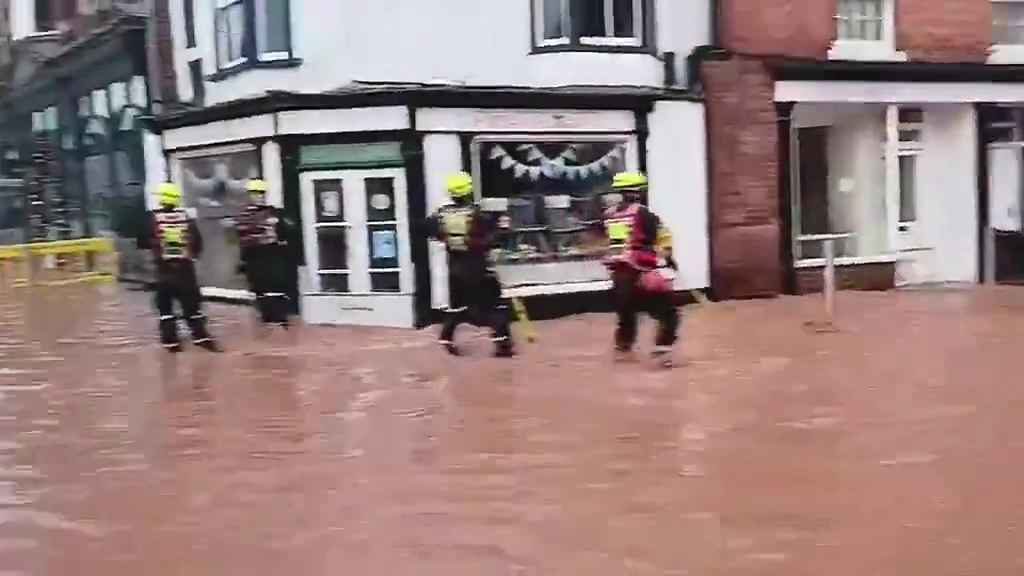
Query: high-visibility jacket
{"x": 174, "y": 236}
{"x": 634, "y": 234}
{"x": 260, "y": 225}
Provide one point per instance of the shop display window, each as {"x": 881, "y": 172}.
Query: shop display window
{"x": 548, "y": 197}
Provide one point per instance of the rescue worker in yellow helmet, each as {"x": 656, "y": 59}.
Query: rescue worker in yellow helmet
{"x": 264, "y": 234}
{"x": 473, "y": 286}
{"x": 174, "y": 239}
{"x": 642, "y": 267}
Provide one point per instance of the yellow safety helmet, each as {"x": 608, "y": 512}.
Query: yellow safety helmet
{"x": 629, "y": 181}
{"x": 170, "y": 194}
{"x": 460, "y": 185}
{"x": 257, "y": 185}
{"x": 257, "y": 189}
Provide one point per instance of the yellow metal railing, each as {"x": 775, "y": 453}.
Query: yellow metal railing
{"x": 89, "y": 260}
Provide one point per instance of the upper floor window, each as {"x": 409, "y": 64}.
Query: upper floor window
{"x": 860, "y": 20}
{"x": 590, "y": 23}
{"x": 865, "y": 30}
{"x": 1008, "y": 22}
{"x": 252, "y": 31}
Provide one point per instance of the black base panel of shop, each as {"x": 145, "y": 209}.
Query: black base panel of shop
{"x": 554, "y": 306}
{"x": 562, "y": 305}
{"x": 1009, "y": 258}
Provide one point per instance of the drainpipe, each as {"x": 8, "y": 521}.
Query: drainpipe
{"x": 715, "y": 17}
{"x": 153, "y": 79}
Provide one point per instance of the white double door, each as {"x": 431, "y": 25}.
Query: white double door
{"x": 356, "y": 237}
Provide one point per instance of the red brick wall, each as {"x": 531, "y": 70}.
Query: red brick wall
{"x": 944, "y": 30}
{"x": 797, "y": 28}
{"x": 928, "y": 30}
{"x": 745, "y": 229}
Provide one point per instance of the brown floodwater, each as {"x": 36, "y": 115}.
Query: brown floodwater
{"x": 893, "y": 447}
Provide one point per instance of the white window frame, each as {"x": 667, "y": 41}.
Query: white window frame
{"x": 637, "y": 39}
{"x": 242, "y": 59}
{"x": 909, "y": 149}
{"x": 904, "y": 149}
{"x": 883, "y": 49}
{"x": 570, "y": 38}
{"x": 907, "y": 225}
{"x": 256, "y": 26}
{"x": 1005, "y": 53}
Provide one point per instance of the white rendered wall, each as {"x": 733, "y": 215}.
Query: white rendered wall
{"x": 477, "y": 43}
{"x": 442, "y": 155}
{"x": 676, "y": 166}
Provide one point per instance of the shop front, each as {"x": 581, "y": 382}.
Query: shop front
{"x": 73, "y": 133}
{"x": 356, "y": 234}
{"x": 892, "y": 180}
{"x": 359, "y": 179}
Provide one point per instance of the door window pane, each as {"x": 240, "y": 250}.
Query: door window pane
{"x": 908, "y": 188}
{"x": 333, "y": 248}
{"x": 335, "y": 283}
{"x": 329, "y": 197}
{"x": 385, "y": 282}
{"x": 380, "y": 199}
{"x": 383, "y": 246}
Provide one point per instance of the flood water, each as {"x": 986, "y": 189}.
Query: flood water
{"x": 892, "y": 447}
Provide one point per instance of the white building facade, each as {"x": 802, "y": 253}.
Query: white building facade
{"x": 355, "y": 112}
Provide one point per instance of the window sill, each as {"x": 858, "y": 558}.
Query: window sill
{"x": 253, "y": 65}
{"x": 865, "y": 50}
{"x": 40, "y": 36}
{"x": 848, "y": 261}
{"x": 1006, "y": 54}
{"x": 606, "y": 48}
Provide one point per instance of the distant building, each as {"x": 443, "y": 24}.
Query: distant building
{"x": 896, "y": 121}
{"x": 84, "y": 75}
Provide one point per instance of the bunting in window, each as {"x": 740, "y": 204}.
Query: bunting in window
{"x": 561, "y": 166}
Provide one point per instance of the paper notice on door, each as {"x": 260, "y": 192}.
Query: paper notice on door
{"x": 385, "y": 245}
{"x": 330, "y": 202}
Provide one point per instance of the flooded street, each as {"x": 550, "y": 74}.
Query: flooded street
{"x": 893, "y": 447}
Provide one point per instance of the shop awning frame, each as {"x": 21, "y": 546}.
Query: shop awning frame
{"x": 800, "y": 80}
{"x": 363, "y": 95}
